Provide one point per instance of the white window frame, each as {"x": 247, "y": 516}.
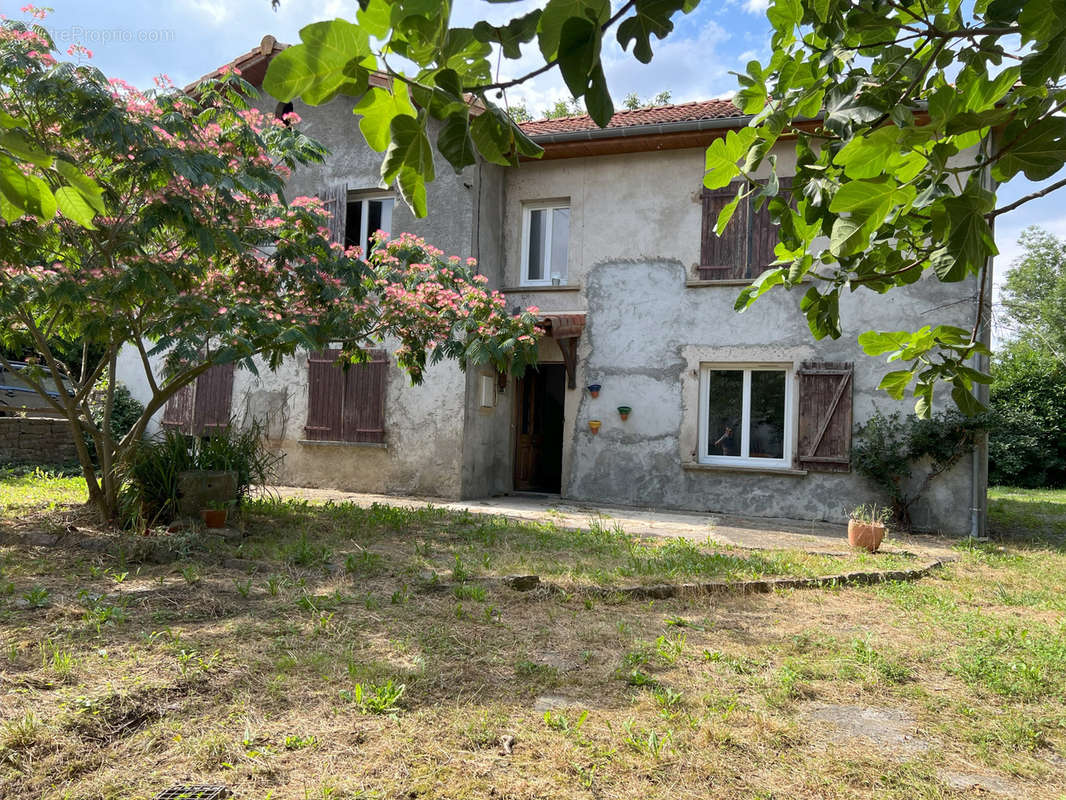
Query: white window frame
{"x": 744, "y": 460}
{"x": 364, "y": 214}
{"x": 549, "y": 267}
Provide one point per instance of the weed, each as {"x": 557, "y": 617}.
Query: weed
{"x": 373, "y": 699}
{"x": 558, "y": 721}
{"x": 244, "y": 588}
{"x": 191, "y": 574}
{"x": 363, "y": 562}
{"x": 37, "y": 597}
{"x": 646, "y": 741}
{"x": 300, "y": 742}
{"x": 274, "y": 583}
{"x": 400, "y": 596}
{"x": 669, "y": 649}
{"x": 465, "y": 591}
{"x": 460, "y": 573}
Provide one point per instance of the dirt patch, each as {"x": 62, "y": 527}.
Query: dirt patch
{"x": 889, "y": 729}
{"x": 993, "y": 784}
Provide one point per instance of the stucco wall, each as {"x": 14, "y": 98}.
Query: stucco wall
{"x": 634, "y": 240}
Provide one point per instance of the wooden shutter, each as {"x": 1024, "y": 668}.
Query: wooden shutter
{"x": 723, "y": 257}
{"x": 363, "y": 418}
{"x": 765, "y": 234}
{"x": 335, "y": 199}
{"x": 325, "y": 396}
{"x": 214, "y": 396}
{"x": 179, "y": 409}
{"x": 825, "y": 391}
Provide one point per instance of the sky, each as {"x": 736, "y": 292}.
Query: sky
{"x": 137, "y": 40}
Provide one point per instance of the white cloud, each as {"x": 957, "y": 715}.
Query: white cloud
{"x": 748, "y": 55}
{"x": 756, "y": 6}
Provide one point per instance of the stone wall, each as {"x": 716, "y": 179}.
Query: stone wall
{"x": 35, "y": 440}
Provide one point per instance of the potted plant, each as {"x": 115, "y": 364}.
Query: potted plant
{"x": 624, "y": 412}
{"x": 594, "y": 389}
{"x": 214, "y": 516}
{"x": 866, "y": 526}
{"x": 594, "y": 426}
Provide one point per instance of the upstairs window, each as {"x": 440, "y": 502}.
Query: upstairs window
{"x": 545, "y": 242}
{"x": 367, "y": 214}
{"x": 746, "y": 247}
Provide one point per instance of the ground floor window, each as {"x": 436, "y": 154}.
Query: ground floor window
{"x": 745, "y": 415}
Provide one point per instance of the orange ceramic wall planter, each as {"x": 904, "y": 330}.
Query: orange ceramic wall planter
{"x": 594, "y": 425}
{"x": 867, "y": 535}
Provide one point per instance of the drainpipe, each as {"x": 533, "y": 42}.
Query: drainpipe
{"x": 979, "y": 458}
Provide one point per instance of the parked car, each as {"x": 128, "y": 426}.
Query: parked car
{"x": 17, "y": 396}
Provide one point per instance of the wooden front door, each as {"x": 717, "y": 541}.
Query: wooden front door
{"x": 539, "y": 401}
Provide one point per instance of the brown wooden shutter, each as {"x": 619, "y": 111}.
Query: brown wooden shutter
{"x": 335, "y": 199}
{"x": 214, "y": 396}
{"x": 764, "y": 234}
{"x": 179, "y": 409}
{"x": 325, "y": 396}
{"x": 726, "y": 256}
{"x": 825, "y": 391}
{"x": 364, "y": 400}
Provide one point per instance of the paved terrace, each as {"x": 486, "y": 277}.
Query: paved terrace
{"x": 753, "y": 533}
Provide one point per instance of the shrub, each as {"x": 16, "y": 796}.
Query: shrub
{"x": 150, "y": 480}
{"x": 125, "y": 411}
{"x": 892, "y": 452}
{"x": 1028, "y": 446}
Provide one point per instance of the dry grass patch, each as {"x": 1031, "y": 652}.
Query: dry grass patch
{"x": 366, "y": 659}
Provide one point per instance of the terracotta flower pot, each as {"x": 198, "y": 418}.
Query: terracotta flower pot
{"x": 624, "y": 412}
{"x": 594, "y": 389}
{"x": 594, "y": 425}
{"x": 867, "y": 535}
{"x": 213, "y": 517}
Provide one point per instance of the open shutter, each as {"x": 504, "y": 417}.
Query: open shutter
{"x": 726, "y": 256}
{"x": 214, "y": 396}
{"x": 825, "y": 390}
{"x": 335, "y": 199}
{"x": 764, "y": 234}
{"x": 179, "y": 409}
{"x": 325, "y": 397}
{"x": 364, "y": 399}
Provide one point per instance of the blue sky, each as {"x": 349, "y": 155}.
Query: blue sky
{"x": 136, "y": 40}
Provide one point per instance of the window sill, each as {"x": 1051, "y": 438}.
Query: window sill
{"x": 697, "y": 283}
{"x": 316, "y": 443}
{"x": 696, "y": 466}
{"x": 566, "y": 287}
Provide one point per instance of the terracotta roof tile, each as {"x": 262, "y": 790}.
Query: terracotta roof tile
{"x": 655, "y": 115}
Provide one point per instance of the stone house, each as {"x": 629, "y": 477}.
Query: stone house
{"x": 611, "y": 235}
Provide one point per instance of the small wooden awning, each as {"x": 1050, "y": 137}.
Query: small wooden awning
{"x": 566, "y": 330}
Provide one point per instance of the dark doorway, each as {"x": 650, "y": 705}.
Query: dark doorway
{"x": 539, "y": 399}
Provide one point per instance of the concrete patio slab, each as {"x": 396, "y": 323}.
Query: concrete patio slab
{"x": 752, "y": 533}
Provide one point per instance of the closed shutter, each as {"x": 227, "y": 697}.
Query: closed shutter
{"x": 325, "y": 396}
{"x": 335, "y": 199}
{"x": 363, "y": 418}
{"x": 214, "y": 396}
{"x": 765, "y": 234}
{"x": 178, "y": 411}
{"x": 825, "y": 400}
{"x": 723, "y": 257}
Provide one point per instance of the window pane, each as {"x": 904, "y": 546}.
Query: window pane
{"x": 725, "y": 407}
{"x": 560, "y": 241}
{"x": 766, "y": 434}
{"x": 386, "y": 214}
{"x": 536, "y": 245}
{"x": 353, "y": 225}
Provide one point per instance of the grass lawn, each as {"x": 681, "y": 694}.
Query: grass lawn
{"x": 371, "y": 656}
